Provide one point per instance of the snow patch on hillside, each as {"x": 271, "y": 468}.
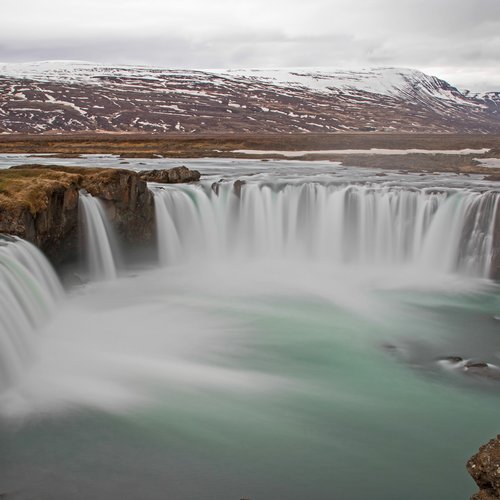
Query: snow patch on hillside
{"x": 390, "y": 82}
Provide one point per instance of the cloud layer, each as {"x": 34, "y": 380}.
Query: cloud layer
{"x": 456, "y": 39}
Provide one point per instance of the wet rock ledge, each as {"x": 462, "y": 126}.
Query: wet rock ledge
{"x": 484, "y": 467}
{"x": 40, "y": 204}
{"x": 174, "y": 175}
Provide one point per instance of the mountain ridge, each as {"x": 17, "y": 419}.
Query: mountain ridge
{"x": 62, "y": 96}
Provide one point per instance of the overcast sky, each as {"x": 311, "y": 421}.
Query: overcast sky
{"x": 458, "y": 40}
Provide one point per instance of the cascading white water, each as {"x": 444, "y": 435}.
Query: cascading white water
{"x": 29, "y": 291}
{"x": 100, "y": 251}
{"x": 444, "y": 230}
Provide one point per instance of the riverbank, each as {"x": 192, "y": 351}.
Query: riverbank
{"x": 331, "y": 147}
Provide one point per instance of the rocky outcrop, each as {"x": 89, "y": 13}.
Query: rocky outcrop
{"x": 484, "y": 467}
{"x": 129, "y": 203}
{"x": 471, "y": 368}
{"x": 174, "y": 175}
{"x": 40, "y": 204}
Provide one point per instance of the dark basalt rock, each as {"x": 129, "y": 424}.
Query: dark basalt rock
{"x": 478, "y": 366}
{"x": 493, "y": 177}
{"x": 484, "y": 467}
{"x": 453, "y": 360}
{"x": 238, "y": 184}
{"x": 390, "y": 347}
{"x": 482, "y": 370}
{"x": 45, "y": 210}
{"x": 174, "y": 175}
{"x": 129, "y": 203}
{"x": 478, "y": 369}
{"x": 51, "y": 223}
{"x": 215, "y": 187}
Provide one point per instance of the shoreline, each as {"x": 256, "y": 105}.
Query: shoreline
{"x": 412, "y": 152}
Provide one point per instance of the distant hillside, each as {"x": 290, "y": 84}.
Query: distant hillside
{"x": 77, "y": 96}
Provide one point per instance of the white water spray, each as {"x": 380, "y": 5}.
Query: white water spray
{"x": 446, "y": 230}
{"x": 99, "y": 249}
{"x": 29, "y": 291}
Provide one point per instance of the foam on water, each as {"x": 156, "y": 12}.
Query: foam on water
{"x": 298, "y": 239}
{"x": 294, "y": 326}
{"x": 29, "y": 291}
{"x": 99, "y": 246}
{"x": 117, "y": 345}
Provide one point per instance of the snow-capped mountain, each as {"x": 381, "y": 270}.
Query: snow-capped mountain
{"x": 79, "y": 96}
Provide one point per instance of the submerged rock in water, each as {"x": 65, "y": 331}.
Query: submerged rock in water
{"x": 478, "y": 369}
{"x": 482, "y": 370}
{"x": 452, "y": 360}
{"x": 237, "y": 185}
{"x": 484, "y": 467}
{"x": 174, "y": 175}
{"x": 215, "y": 187}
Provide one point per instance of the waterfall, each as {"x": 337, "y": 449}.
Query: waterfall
{"x": 448, "y": 230}
{"x": 29, "y": 291}
{"x": 99, "y": 247}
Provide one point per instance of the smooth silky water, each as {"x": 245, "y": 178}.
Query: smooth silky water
{"x": 100, "y": 248}
{"x": 286, "y": 347}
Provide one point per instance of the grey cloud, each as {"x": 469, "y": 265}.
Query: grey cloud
{"x": 450, "y": 34}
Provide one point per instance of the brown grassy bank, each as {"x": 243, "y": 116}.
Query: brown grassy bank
{"x": 193, "y": 146}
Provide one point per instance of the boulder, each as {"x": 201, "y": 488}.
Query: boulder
{"x": 215, "y": 187}
{"x": 484, "y": 467}
{"x": 453, "y": 360}
{"x": 174, "y": 175}
{"x": 484, "y": 370}
{"x": 476, "y": 369}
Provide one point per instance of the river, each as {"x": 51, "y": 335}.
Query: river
{"x": 288, "y": 344}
